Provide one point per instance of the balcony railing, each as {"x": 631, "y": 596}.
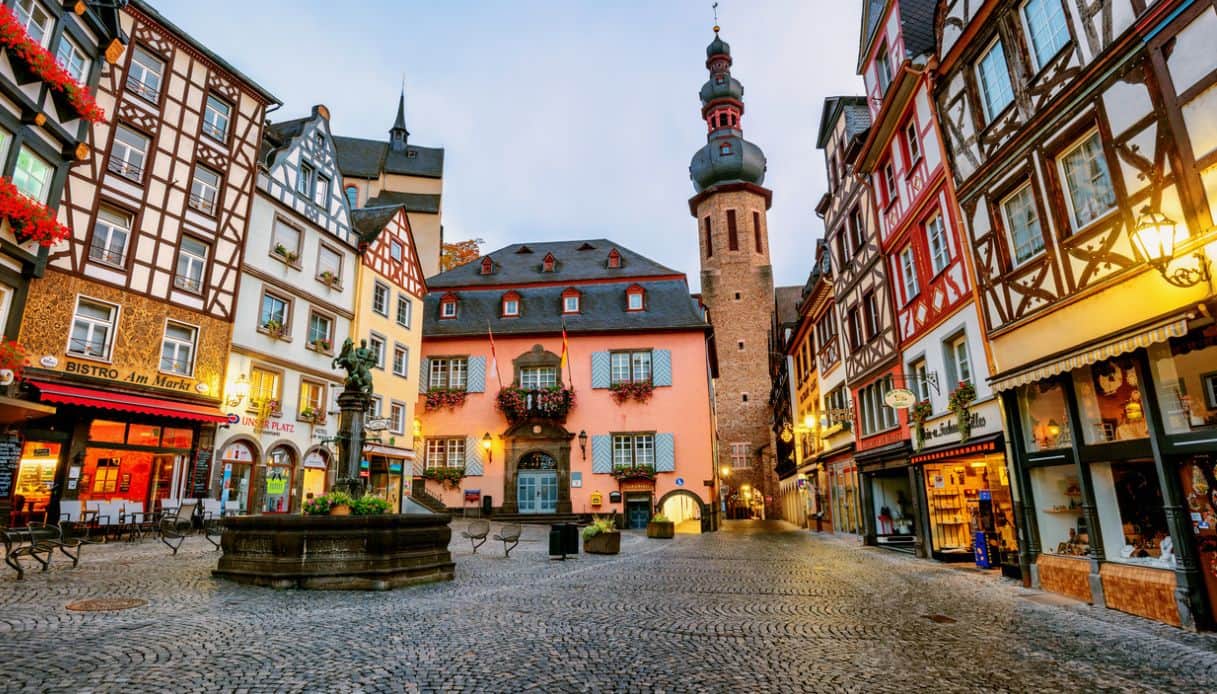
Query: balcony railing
{"x": 215, "y": 131}
{"x": 143, "y": 89}
{"x": 126, "y": 169}
{"x": 202, "y": 204}
{"x": 104, "y": 255}
{"x": 519, "y": 404}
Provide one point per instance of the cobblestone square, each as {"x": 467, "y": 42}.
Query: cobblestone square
{"x": 753, "y": 608}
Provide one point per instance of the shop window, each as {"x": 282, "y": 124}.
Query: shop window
{"x": 177, "y": 438}
{"x": 893, "y": 507}
{"x": 104, "y": 431}
{"x": 143, "y": 435}
{"x": 1110, "y": 401}
{"x": 1131, "y": 519}
{"x": 1185, "y": 378}
{"x": 966, "y": 497}
{"x": 34, "y": 481}
{"x": 279, "y": 472}
{"x": 1041, "y": 407}
{"x": 630, "y": 367}
{"x": 1057, "y": 492}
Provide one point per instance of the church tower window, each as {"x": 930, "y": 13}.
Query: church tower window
{"x": 732, "y": 232}
{"x": 725, "y": 149}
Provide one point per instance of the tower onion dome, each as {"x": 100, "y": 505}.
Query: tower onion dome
{"x": 727, "y": 157}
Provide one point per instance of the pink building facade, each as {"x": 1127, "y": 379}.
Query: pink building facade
{"x": 625, "y": 427}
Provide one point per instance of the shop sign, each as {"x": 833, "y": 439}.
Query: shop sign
{"x": 950, "y": 427}
{"x": 237, "y": 453}
{"x": 315, "y": 460}
{"x": 133, "y": 377}
{"x": 270, "y": 425}
{"x": 234, "y": 418}
{"x": 900, "y": 398}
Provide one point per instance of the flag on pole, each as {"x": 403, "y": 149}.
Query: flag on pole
{"x": 565, "y": 363}
{"x": 494, "y": 359}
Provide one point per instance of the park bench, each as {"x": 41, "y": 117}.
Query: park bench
{"x": 176, "y": 524}
{"x": 476, "y": 533}
{"x": 38, "y": 541}
{"x": 509, "y": 535}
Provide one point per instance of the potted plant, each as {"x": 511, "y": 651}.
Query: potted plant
{"x": 660, "y": 527}
{"x": 312, "y": 415}
{"x": 450, "y": 477}
{"x": 368, "y": 505}
{"x": 329, "y": 279}
{"x": 321, "y": 345}
{"x": 638, "y": 391}
{"x": 332, "y": 504}
{"x": 959, "y": 402}
{"x": 13, "y": 359}
{"x": 601, "y": 537}
{"x": 287, "y": 256}
{"x": 918, "y": 416}
{"x": 274, "y": 328}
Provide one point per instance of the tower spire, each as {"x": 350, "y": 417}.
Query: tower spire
{"x": 398, "y": 133}
{"x": 727, "y": 156}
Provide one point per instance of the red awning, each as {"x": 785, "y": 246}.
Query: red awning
{"x": 109, "y": 400}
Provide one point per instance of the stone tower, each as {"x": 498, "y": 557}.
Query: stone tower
{"x": 736, "y": 277}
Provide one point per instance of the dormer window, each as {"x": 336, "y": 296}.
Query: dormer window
{"x": 725, "y": 149}
{"x": 614, "y": 259}
{"x": 487, "y": 266}
{"x": 447, "y": 306}
{"x": 635, "y": 298}
{"x": 547, "y": 265}
{"x": 511, "y": 305}
{"x": 570, "y": 301}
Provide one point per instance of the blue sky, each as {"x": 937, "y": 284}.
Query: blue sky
{"x": 561, "y": 118}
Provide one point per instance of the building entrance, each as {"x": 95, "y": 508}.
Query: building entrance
{"x": 537, "y": 484}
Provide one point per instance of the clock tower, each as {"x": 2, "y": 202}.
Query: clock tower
{"x": 730, "y": 207}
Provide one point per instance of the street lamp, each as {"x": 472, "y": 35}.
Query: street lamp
{"x": 724, "y": 471}
{"x": 238, "y": 390}
{"x": 583, "y": 443}
{"x": 1155, "y": 238}
{"x": 488, "y": 446}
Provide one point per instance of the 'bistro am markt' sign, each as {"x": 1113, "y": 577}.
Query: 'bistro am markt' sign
{"x": 133, "y": 377}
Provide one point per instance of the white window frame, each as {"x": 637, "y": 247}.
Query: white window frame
{"x": 144, "y": 64}
{"x": 447, "y": 309}
{"x": 380, "y": 298}
{"x": 27, "y": 11}
{"x": 204, "y": 195}
{"x": 570, "y": 304}
{"x": 306, "y": 174}
{"x": 1054, "y": 24}
{"x": 321, "y": 194}
{"x": 631, "y": 366}
{"x": 914, "y": 142}
{"x": 377, "y": 343}
{"x": 1005, "y": 90}
{"x": 405, "y": 311}
{"x": 401, "y": 366}
{"x": 883, "y": 68}
{"x": 397, "y": 250}
{"x": 375, "y": 406}
{"x": 73, "y": 59}
{"x": 449, "y": 372}
{"x": 511, "y": 307}
{"x": 537, "y": 377}
{"x": 939, "y": 244}
{"x": 93, "y": 324}
{"x": 188, "y": 262}
{"x": 908, "y": 274}
{"x": 961, "y": 359}
{"x": 634, "y": 301}
{"x": 443, "y": 452}
{"x": 1067, "y": 189}
{"x": 262, "y": 315}
{"x": 397, "y": 417}
{"x": 328, "y": 335}
{"x": 128, "y": 153}
{"x": 190, "y": 347}
{"x": 30, "y": 175}
{"x": 322, "y": 252}
{"x": 111, "y": 224}
{"x": 919, "y": 372}
{"x": 276, "y": 239}
{"x": 1037, "y": 234}
{"x": 216, "y": 121}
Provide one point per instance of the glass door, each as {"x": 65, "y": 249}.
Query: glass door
{"x": 547, "y": 499}
{"x": 526, "y": 493}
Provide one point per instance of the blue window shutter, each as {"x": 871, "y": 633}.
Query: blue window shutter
{"x": 601, "y": 370}
{"x": 476, "y": 380}
{"x": 661, "y": 367}
{"x": 424, "y": 374}
{"x": 665, "y": 453}
{"x": 474, "y": 463}
{"x": 602, "y": 454}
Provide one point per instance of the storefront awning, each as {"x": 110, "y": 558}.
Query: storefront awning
{"x": 14, "y": 410}
{"x": 991, "y": 443}
{"x": 1146, "y": 335}
{"x": 389, "y": 451}
{"x": 122, "y": 402}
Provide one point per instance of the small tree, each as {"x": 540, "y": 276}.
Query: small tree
{"x": 454, "y": 255}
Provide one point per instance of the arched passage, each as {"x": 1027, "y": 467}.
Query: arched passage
{"x": 684, "y": 508}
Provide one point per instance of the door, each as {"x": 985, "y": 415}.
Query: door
{"x": 537, "y": 491}
{"x": 638, "y": 514}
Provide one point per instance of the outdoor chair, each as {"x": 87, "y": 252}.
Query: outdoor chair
{"x": 177, "y": 525}
{"x": 509, "y": 535}
{"x": 476, "y": 533}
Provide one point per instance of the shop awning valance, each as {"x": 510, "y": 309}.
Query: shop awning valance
{"x": 1158, "y": 331}
{"x": 389, "y": 451}
{"x": 122, "y": 402}
{"x": 979, "y": 446}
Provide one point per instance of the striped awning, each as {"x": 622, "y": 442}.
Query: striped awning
{"x": 1159, "y": 331}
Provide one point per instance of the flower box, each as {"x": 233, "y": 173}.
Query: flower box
{"x": 518, "y": 404}
{"x": 444, "y": 398}
{"x": 662, "y": 530}
{"x": 29, "y": 219}
{"x": 638, "y": 391}
{"x": 603, "y": 543}
{"x": 24, "y": 51}
{"x": 450, "y": 477}
{"x": 641, "y": 472}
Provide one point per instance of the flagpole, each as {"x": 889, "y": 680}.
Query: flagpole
{"x": 570, "y": 376}
{"x": 493, "y": 355}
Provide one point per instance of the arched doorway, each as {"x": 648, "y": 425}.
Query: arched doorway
{"x": 537, "y": 483}
{"x": 313, "y": 473}
{"x": 280, "y": 471}
{"x": 237, "y": 461}
{"x": 684, "y": 509}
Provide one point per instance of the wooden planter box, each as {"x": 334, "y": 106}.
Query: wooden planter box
{"x": 664, "y": 530}
{"x": 604, "y": 543}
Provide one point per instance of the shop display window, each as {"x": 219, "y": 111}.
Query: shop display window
{"x": 1057, "y": 491}
{"x": 1045, "y": 421}
{"x": 103, "y": 431}
{"x": 1129, "y": 501}
{"x": 967, "y": 497}
{"x": 893, "y": 507}
{"x": 1185, "y": 380}
{"x": 1110, "y": 401}
{"x": 143, "y": 435}
{"x": 177, "y": 438}
{"x": 35, "y": 478}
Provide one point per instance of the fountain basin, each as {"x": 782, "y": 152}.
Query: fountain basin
{"x": 336, "y": 552}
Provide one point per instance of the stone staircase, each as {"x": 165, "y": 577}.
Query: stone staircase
{"x": 538, "y": 518}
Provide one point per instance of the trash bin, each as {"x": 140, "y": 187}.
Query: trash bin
{"x": 487, "y": 506}
{"x": 570, "y": 538}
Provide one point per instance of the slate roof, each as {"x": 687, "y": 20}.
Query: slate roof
{"x": 413, "y": 202}
{"x": 857, "y": 117}
{"x": 669, "y": 307}
{"x": 370, "y": 221}
{"x": 368, "y": 158}
{"x": 276, "y": 136}
{"x": 786, "y": 303}
{"x": 573, "y": 265}
{"x": 149, "y": 10}
{"x": 917, "y": 26}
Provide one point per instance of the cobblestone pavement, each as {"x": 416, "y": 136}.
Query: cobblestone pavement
{"x": 754, "y": 608}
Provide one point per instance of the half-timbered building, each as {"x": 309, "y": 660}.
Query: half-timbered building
{"x": 378, "y": 173}
{"x": 42, "y": 133}
{"x": 862, "y": 300}
{"x": 390, "y": 289}
{"x": 1085, "y": 161}
{"x": 296, "y": 304}
{"x": 129, "y": 330}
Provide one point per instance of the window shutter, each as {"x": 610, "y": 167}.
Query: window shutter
{"x": 419, "y": 464}
{"x": 476, "y": 380}
{"x": 602, "y": 454}
{"x": 601, "y": 373}
{"x": 665, "y": 453}
{"x": 474, "y": 463}
{"x": 661, "y": 367}
{"x": 424, "y": 375}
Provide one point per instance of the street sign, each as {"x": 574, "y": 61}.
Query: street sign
{"x": 680, "y": 481}
{"x": 900, "y": 398}
{"x": 376, "y": 423}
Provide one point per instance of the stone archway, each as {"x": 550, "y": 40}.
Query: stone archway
{"x": 532, "y": 443}
{"x": 683, "y": 506}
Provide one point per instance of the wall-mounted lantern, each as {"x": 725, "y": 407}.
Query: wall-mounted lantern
{"x": 488, "y": 446}
{"x": 1155, "y": 238}
{"x": 238, "y": 390}
{"x": 583, "y": 443}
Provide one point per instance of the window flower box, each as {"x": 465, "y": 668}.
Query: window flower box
{"x": 444, "y": 398}
{"x": 638, "y": 391}
{"x": 39, "y": 61}
{"x": 30, "y": 220}
{"x": 321, "y": 345}
{"x": 634, "y": 472}
{"x": 329, "y": 279}
{"x": 275, "y": 329}
{"x": 312, "y": 416}
{"x": 450, "y": 477}
{"x": 289, "y": 257}
{"x": 518, "y": 404}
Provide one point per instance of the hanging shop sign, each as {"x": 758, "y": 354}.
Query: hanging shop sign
{"x": 900, "y": 398}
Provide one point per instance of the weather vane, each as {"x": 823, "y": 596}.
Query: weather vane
{"x": 715, "y": 6}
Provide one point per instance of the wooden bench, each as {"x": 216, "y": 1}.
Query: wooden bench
{"x": 476, "y": 533}
{"x": 509, "y": 535}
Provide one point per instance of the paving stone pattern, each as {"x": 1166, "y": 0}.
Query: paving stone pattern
{"x": 757, "y": 607}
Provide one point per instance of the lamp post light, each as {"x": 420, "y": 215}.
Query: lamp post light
{"x": 488, "y": 446}
{"x": 583, "y": 443}
{"x": 238, "y": 390}
{"x": 1155, "y": 237}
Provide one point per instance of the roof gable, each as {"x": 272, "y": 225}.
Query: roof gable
{"x": 518, "y": 264}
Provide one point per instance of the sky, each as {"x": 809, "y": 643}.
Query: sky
{"x": 560, "y": 119}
